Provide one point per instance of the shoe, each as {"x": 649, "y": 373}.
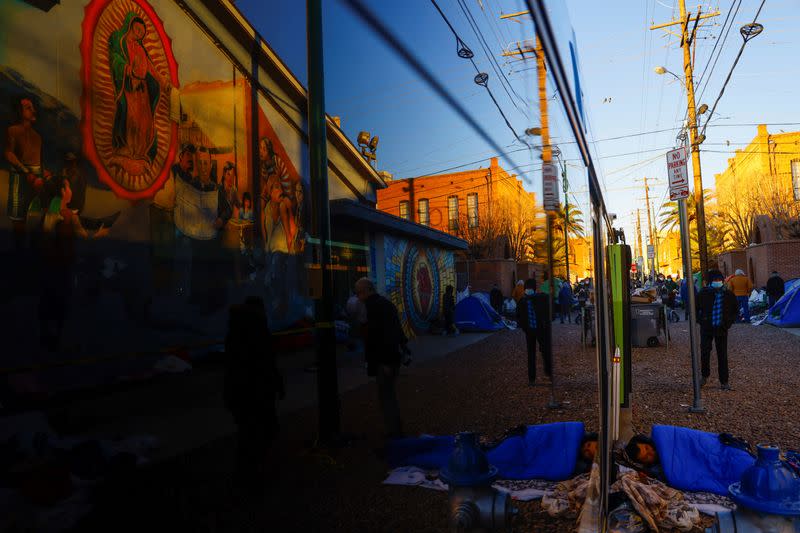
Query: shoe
{"x": 725, "y": 386}
{"x": 703, "y": 382}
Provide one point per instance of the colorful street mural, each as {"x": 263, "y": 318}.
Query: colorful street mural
{"x": 416, "y": 277}
{"x": 127, "y": 183}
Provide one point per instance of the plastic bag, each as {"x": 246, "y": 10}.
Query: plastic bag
{"x": 624, "y": 519}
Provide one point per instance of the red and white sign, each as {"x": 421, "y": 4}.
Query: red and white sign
{"x": 550, "y": 187}
{"x": 678, "y": 174}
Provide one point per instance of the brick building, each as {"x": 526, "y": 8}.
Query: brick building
{"x": 763, "y": 181}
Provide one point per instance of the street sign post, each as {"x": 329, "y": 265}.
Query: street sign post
{"x": 651, "y": 251}
{"x": 679, "y": 190}
{"x": 550, "y": 187}
{"x": 678, "y": 175}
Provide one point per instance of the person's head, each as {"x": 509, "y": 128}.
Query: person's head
{"x": 247, "y": 201}
{"x": 739, "y": 272}
{"x": 27, "y": 110}
{"x": 530, "y": 286}
{"x": 263, "y": 149}
{"x": 715, "y": 278}
{"x": 138, "y": 28}
{"x": 186, "y": 157}
{"x": 364, "y": 288}
{"x": 229, "y": 175}
{"x": 589, "y": 446}
{"x": 642, "y": 449}
{"x": 774, "y": 274}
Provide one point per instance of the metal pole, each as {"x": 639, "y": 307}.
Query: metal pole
{"x": 553, "y": 403}
{"x": 686, "y": 249}
{"x": 327, "y": 378}
{"x": 566, "y": 217}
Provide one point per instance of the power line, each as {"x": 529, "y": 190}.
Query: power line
{"x": 481, "y": 78}
{"x": 492, "y": 59}
{"x": 363, "y": 12}
{"x": 716, "y": 42}
{"x": 722, "y": 46}
{"x": 746, "y": 36}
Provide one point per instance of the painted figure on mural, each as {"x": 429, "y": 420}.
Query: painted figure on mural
{"x": 281, "y": 201}
{"x": 138, "y": 87}
{"x": 77, "y": 181}
{"x": 23, "y": 151}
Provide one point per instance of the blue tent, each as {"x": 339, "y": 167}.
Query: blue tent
{"x": 473, "y": 314}
{"x": 786, "y": 311}
{"x": 791, "y": 284}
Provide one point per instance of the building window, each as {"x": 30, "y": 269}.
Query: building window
{"x": 472, "y": 210}
{"x": 796, "y": 179}
{"x": 404, "y": 209}
{"x": 452, "y": 213}
{"x": 423, "y": 213}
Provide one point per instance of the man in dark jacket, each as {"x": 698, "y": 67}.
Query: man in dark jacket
{"x": 384, "y": 347}
{"x": 496, "y": 299}
{"x": 252, "y": 386}
{"x": 565, "y": 302}
{"x": 717, "y": 310}
{"x": 775, "y": 288}
{"x": 533, "y": 318}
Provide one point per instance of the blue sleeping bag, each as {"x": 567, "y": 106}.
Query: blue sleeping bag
{"x": 547, "y": 451}
{"x": 697, "y": 461}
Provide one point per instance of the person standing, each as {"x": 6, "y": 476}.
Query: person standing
{"x": 717, "y": 310}
{"x": 532, "y": 317}
{"x": 741, "y": 286}
{"x": 449, "y": 310}
{"x": 385, "y": 340}
{"x": 357, "y": 317}
{"x": 519, "y": 291}
{"x": 565, "y": 298}
{"x": 252, "y": 386}
{"x": 775, "y": 288}
{"x": 496, "y": 299}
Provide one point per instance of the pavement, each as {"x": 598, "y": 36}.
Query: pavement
{"x": 793, "y": 331}
{"x": 186, "y": 411}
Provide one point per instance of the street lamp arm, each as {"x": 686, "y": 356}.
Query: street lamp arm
{"x": 662, "y": 70}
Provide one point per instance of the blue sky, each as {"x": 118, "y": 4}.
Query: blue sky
{"x": 370, "y": 88}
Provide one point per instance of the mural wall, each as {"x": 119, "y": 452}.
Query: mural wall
{"x": 416, "y": 276}
{"x": 132, "y": 207}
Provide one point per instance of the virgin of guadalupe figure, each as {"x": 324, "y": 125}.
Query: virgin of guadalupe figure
{"x": 137, "y": 91}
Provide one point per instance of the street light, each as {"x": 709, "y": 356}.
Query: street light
{"x": 700, "y": 111}
{"x": 368, "y": 146}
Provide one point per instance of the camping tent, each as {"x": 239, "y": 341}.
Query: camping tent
{"x": 786, "y": 311}
{"x": 473, "y": 314}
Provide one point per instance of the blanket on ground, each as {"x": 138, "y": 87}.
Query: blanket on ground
{"x": 699, "y": 461}
{"x": 547, "y": 451}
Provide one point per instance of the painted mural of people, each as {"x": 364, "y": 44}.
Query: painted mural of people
{"x": 281, "y": 198}
{"x": 138, "y": 87}
{"x": 77, "y": 181}
{"x": 61, "y": 228}
{"x": 23, "y": 152}
{"x": 202, "y": 210}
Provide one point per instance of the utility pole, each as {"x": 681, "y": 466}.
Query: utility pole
{"x": 565, "y": 183}
{"x": 650, "y": 227}
{"x": 687, "y": 38}
{"x": 639, "y": 238}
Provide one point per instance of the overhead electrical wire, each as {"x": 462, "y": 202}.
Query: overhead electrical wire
{"x": 464, "y": 52}
{"x": 363, "y": 12}
{"x": 745, "y": 39}
{"x": 721, "y": 47}
{"x": 492, "y": 59}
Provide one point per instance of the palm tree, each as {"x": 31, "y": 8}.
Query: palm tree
{"x": 574, "y": 223}
{"x": 670, "y": 218}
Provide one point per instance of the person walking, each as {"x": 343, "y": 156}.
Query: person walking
{"x": 356, "y": 313}
{"x": 449, "y": 310}
{"x": 555, "y": 286}
{"x": 717, "y": 310}
{"x": 385, "y": 340}
{"x": 532, "y": 317}
{"x": 741, "y": 286}
{"x": 496, "y": 299}
{"x": 565, "y": 299}
{"x": 252, "y": 385}
{"x": 519, "y": 291}
{"x": 775, "y": 288}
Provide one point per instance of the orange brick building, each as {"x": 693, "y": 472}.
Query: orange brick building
{"x": 462, "y": 203}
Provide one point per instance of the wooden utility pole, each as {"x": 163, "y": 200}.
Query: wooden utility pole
{"x": 687, "y": 38}
{"x": 639, "y": 233}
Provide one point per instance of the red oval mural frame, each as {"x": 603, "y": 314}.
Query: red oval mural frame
{"x": 92, "y": 13}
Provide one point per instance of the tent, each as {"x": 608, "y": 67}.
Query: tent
{"x": 791, "y": 284}
{"x": 786, "y": 311}
{"x": 473, "y": 314}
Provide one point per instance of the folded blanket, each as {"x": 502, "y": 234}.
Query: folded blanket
{"x": 547, "y": 451}
{"x": 698, "y": 461}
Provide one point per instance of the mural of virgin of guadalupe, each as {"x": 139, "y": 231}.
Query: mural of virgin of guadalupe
{"x": 138, "y": 86}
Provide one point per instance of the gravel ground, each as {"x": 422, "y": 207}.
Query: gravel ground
{"x": 482, "y": 388}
